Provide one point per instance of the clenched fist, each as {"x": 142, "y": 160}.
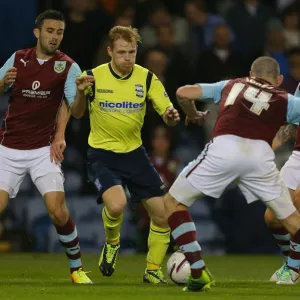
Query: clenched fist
{"x": 10, "y": 77}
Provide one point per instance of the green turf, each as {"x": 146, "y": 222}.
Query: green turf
{"x": 45, "y": 276}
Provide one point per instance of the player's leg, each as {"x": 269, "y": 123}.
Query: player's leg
{"x": 158, "y": 239}
{"x": 208, "y": 175}
{"x": 112, "y": 194}
{"x": 51, "y": 188}
{"x": 114, "y": 200}
{"x": 290, "y": 175}
{"x": 145, "y": 184}
{"x": 286, "y": 213}
{"x": 281, "y": 236}
{"x": 264, "y": 182}
{"x": 181, "y": 196}
{"x": 12, "y": 173}
{"x": 49, "y": 180}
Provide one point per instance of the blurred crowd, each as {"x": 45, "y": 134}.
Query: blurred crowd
{"x": 183, "y": 42}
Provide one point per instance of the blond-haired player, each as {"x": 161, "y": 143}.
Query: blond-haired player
{"x": 118, "y": 93}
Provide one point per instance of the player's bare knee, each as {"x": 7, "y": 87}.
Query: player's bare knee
{"x": 56, "y": 206}
{"x": 115, "y": 208}
{"x": 59, "y": 215}
{"x": 115, "y": 201}
{"x": 296, "y": 201}
{"x": 292, "y": 222}
{"x": 271, "y": 220}
{"x": 172, "y": 205}
{"x": 160, "y": 221}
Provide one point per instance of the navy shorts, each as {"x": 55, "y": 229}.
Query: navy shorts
{"x": 133, "y": 169}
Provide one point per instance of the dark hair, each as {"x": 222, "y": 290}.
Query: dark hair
{"x": 49, "y": 14}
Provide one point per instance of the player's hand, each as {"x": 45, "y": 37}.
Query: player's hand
{"x": 83, "y": 82}
{"x": 10, "y": 76}
{"x": 197, "y": 120}
{"x": 171, "y": 116}
{"x": 57, "y": 149}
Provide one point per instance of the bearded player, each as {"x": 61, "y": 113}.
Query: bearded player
{"x": 32, "y": 132}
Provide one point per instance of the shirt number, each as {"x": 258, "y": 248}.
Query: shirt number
{"x": 260, "y": 99}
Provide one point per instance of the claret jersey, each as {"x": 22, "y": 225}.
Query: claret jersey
{"x": 35, "y": 98}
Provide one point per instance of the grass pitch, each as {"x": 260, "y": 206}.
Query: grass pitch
{"x": 45, "y": 276}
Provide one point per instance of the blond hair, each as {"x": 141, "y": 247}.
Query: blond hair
{"x": 129, "y": 34}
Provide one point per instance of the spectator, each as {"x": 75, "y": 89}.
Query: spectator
{"x": 83, "y": 32}
{"x": 248, "y": 20}
{"x": 160, "y": 16}
{"x": 276, "y": 46}
{"x": 220, "y": 61}
{"x": 290, "y": 18}
{"x": 292, "y": 79}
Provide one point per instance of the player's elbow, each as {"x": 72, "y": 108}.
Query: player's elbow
{"x": 185, "y": 93}
{"x": 181, "y": 93}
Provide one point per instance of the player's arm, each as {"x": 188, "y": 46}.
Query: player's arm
{"x": 186, "y": 96}
{"x": 290, "y": 130}
{"x": 58, "y": 144}
{"x": 8, "y": 74}
{"x": 161, "y": 102}
{"x": 284, "y": 134}
{"x": 83, "y": 88}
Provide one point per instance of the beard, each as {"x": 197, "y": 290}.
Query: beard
{"x": 47, "y": 49}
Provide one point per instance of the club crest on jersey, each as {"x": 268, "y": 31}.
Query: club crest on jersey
{"x": 59, "y": 66}
{"x": 139, "y": 90}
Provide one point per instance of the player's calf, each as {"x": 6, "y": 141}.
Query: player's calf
{"x": 65, "y": 228}
{"x": 292, "y": 223}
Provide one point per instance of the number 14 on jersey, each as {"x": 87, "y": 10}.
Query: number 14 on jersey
{"x": 260, "y": 99}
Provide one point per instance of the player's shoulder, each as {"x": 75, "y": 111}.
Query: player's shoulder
{"x": 61, "y": 56}
{"x": 26, "y": 52}
{"x": 266, "y": 86}
{"x": 100, "y": 69}
{"x": 140, "y": 70}
{"x": 243, "y": 80}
